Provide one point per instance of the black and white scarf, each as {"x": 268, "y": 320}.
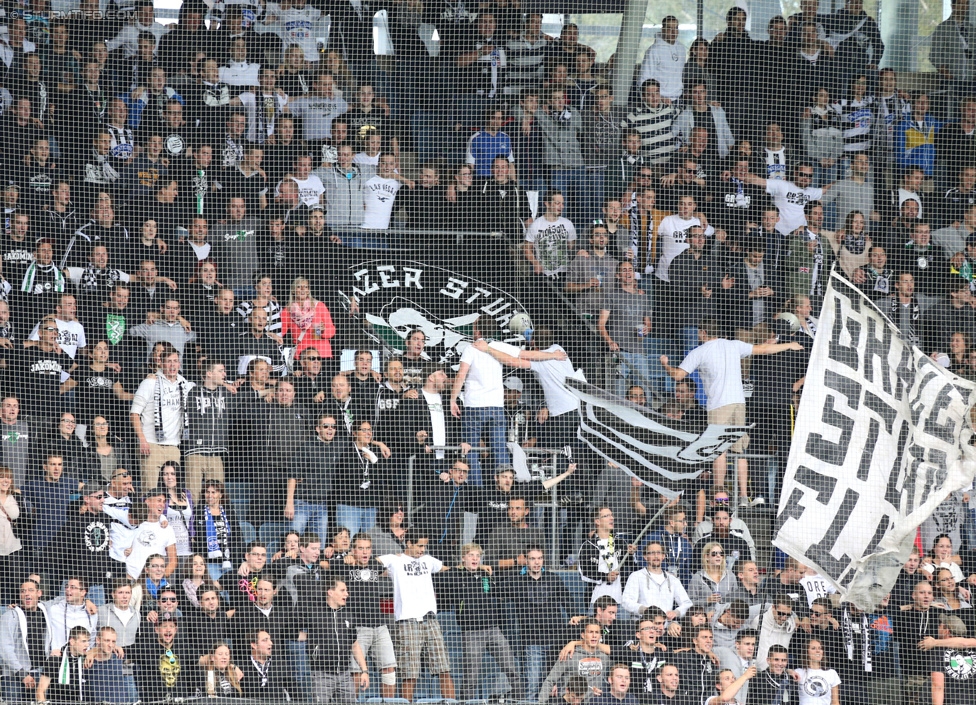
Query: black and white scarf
{"x": 847, "y": 625}
{"x": 158, "y": 405}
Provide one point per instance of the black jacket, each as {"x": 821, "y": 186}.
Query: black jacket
{"x": 208, "y": 413}
{"x": 473, "y": 595}
{"x": 273, "y": 683}
{"x": 330, "y": 638}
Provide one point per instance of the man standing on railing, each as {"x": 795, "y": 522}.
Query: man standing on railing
{"x": 484, "y": 396}
{"x": 717, "y": 360}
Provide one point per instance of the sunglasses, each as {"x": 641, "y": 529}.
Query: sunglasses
{"x": 717, "y": 553}
{"x": 782, "y": 614}
{"x": 171, "y": 656}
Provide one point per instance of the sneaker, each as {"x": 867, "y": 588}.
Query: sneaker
{"x": 747, "y": 502}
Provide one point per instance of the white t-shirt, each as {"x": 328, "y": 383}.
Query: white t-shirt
{"x": 790, "y": 199}
{"x": 816, "y": 684}
{"x": 379, "y": 196}
{"x": 483, "y": 386}
{"x": 413, "y": 587}
{"x": 816, "y": 586}
{"x": 551, "y": 374}
{"x": 552, "y": 241}
{"x": 310, "y": 189}
{"x": 71, "y": 336}
{"x": 717, "y": 361}
{"x": 148, "y": 538}
{"x": 435, "y": 405}
{"x": 672, "y": 237}
{"x": 144, "y": 404}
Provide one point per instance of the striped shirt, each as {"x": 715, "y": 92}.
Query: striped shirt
{"x": 654, "y": 126}
{"x": 526, "y": 64}
{"x": 857, "y": 123}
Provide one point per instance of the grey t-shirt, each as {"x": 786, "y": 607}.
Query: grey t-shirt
{"x": 582, "y": 269}
{"x": 627, "y": 312}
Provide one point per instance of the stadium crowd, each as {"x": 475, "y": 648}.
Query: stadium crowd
{"x": 196, "y": 499}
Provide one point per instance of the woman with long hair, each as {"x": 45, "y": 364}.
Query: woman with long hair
{"x": 948, "y": 594}
{"x": 816, "y": 679}
{"x": 10, "y": 545}
{"x": 943, "y": 556}
{"x": 307, "y": 321}
{"x": 216, "y": 534}
{"x": 98, "y": 390}
{"x": 196, "y": 577}
{"x": 222, "y": 677}
{"x": 823, "y": 139}
{"x": 179, "y": 507}
{"x": 107, "y": 452}
{"x": 853, "y": 245}
{"x": 714, "y": 581}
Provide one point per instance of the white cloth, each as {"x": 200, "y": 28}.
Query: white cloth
{"x": 483, "y": 386}
{"x": 551, "y": 374}
{"x": 665, "y": 63}
{"x": 310, "y": 190}
{"x": 438, "y": 424}
{"x": 790, "y": 199}
{"x": 717, "y": 361}
{"x": 379, "y": 197}
{"x": 144, "y": 404}
{"x": 147, "y": 539}
{"x": 71, "y": 336}
{"x": 815, "y": 685}
{"x": 672, "y": 240}
{"x": 413, "y": 586}
{"x": 663, "y": 590}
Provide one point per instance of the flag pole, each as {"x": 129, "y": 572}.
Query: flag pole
{"x": 647, "y": 527}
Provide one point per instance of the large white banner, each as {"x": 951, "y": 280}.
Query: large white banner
{"x": 882, "y": 437}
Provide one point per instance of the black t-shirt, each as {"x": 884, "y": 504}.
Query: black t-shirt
{"x": 959, "y": 669}
{"x": 40, "y": 381}
{"x": 36, "y": 628}
{"x": 643, "y": 670}
{"x": 95, "y": 395}
{"x": 70, "y": 670}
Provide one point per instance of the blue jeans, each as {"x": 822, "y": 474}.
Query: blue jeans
{"x": 355, "y": 519}
{"x": 215, "y": 571}
{"x": 533, "y": 666}
{"x": 635, "y": 369}
{"x": 315, "y": 513}
{"x": 131, "y": 692}
{"x": 240, "y": 496}
{"x": 593, "y": 206}
{"x": 473, "y": 421}
{"x": 301, "y": 674}
{"x": 572, "y": 182}
{"x": 661, "y": 381}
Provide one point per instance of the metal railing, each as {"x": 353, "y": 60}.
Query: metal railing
{"x": 551, "y": 454}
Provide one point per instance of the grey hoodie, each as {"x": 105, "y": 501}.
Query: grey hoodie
{"x": 343, "y": 196}
{"x": 13, "y": 641}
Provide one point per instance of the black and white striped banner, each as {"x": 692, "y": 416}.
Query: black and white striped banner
{"x": 881, "y": 438}
{"x": 666, "y": 454}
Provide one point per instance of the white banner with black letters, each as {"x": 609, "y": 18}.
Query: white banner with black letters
{"x": 881, "y": 439}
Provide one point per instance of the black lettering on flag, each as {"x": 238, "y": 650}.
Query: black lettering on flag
{"x": 820, "y": 552}
{"x": 944, "y": 432}
{"x": 864, "y": 468}
{"x": 905, "y": 372}
{"x": 844, "y": 354}
{"x": 893, "y": 492}
{"x": 877, "y": 348}
{"x": 828, "y": 452}
{"x": 882, "y": 409}
{"x": 823, "y": 485}
{"x": 792, "y": 510}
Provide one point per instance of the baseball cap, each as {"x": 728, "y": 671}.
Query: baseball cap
{"x": 514, "y": 383}
{"x": 92, "y": 488}
{"x": 155, "y": 492}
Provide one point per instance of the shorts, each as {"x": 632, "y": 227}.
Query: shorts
{"x": 376, "y": 642}
{"x": 734, "y": 415}
{"x": 416, "y": 639}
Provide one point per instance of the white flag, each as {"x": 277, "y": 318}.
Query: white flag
{"x": 882, "y": 437}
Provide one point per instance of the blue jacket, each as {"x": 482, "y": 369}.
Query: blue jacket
{"x": 678, "y": 554}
